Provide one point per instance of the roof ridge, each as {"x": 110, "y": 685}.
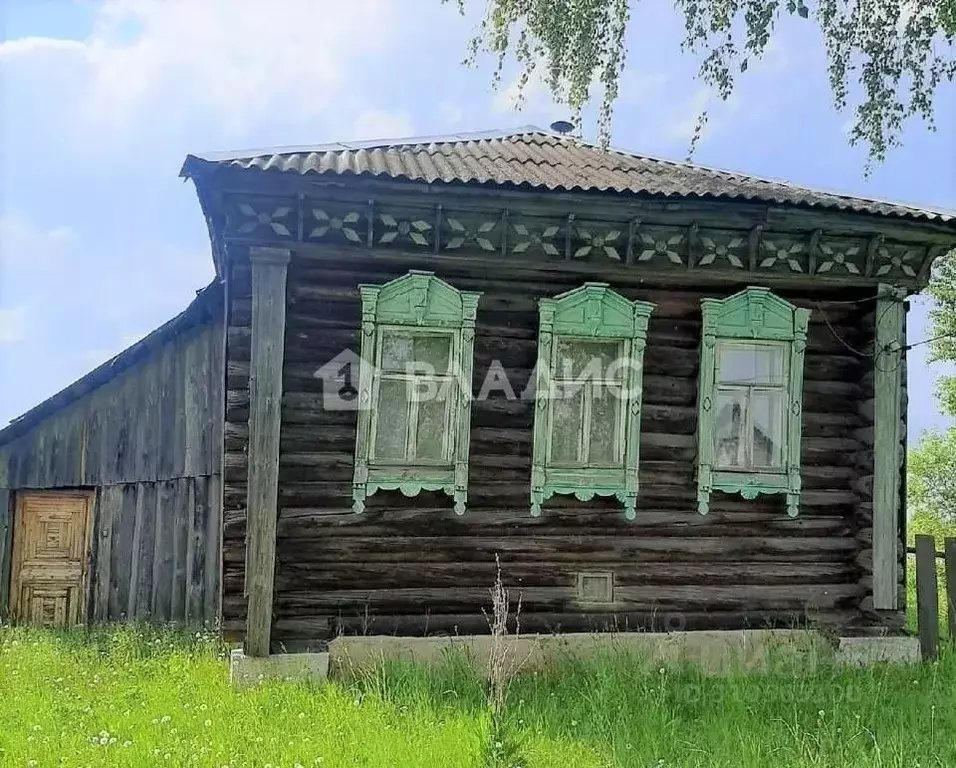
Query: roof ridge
{"x": 383, "y": 143}
{"x": 762, "y": 179}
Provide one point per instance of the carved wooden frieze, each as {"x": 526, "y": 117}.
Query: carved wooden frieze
{"x": 721, "y": 250}
{"x": 659, "y": 247}
{"x": 268, "y": 218}
{"x": 468, "y": 232}
{"x": 592, "y": 240}
{"x": 408, "y": 228}
{"x": 536, "y": 237}
{"x": 782, "y": 255}
{"x": 632, "y": 243}
{"x": 336, "y": 224}
{"x": 841, "y": 256}
{"x": 898, "y": 261}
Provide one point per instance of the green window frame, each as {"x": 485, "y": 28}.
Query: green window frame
{"x": 415, "y": 372}
{"x": 587, "y": 421}
{"x": 750, "y": 398}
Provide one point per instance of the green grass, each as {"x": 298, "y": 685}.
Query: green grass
{"x": 132, "y": 698}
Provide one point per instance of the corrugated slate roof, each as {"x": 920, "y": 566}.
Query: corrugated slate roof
{"x": 537, "y": 158}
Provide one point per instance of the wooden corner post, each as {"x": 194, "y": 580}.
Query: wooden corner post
{"x": 888, "y": 364}
{"x": 269, "y": 266}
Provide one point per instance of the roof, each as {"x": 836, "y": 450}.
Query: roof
{"x": 200, "y": 311}
{"x": 532, "y": 157}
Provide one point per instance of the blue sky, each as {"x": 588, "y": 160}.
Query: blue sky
{"x": 100, "y": 242}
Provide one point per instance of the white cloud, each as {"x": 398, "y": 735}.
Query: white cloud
{"x": 535, "y": 99}
{"x": 21, "y": 240}
{"x": 638, "y": 87}
{"x": 683, "y": 123}
{"x": 379, "y": 124}
{"x": 235, "y": 59}
{"x": 450, "y": 114}
{"x": 13, "y": 324}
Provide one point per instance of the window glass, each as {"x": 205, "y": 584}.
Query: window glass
{"x": 767, "y": 418}
{"x": 392, "y": 422}
{"x": 566, "y": 425}
{"x": 576, "y": 358}
{"x": 750, "y": 364}
{"x": 401, "y": 349}
{"x": 432, "y": 425}
{"x": 729, "y": 441}
{"x": 605, "y": 441}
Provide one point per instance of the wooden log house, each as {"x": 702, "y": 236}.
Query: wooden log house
{"x": 665, "y": 396}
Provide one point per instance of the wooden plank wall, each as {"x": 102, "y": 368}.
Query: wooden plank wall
{"x": 412, "y": 566}
{"x": 152, "y": 422}
{"x": 6, "y": 548}
{"x": 149, "y": 442}
{"x": 156, "y": 555}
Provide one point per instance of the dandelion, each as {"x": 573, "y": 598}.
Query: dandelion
{"x": 127, "y": 743}
{"x": 37, "y": 728}
{"x": 208, "y": 723}
{"x": 164, "y": 719}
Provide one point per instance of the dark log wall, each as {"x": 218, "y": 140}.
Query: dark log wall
{"x": 412, "y": 566}
{"x": 149, "y": 442}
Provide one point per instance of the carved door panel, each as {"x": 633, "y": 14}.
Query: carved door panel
{"x": 50, "y": 557}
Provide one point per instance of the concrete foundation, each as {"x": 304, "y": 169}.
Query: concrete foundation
{"x": 251, "y": 670}
{"x": 717, "y": 652}
{"x": 862, "y": 651}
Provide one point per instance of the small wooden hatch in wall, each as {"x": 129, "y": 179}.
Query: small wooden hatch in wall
{"x": 596, "y": 587}
{"x": 50, "y": 558}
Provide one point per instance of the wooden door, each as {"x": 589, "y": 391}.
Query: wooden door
{"x": 51, "y": 542}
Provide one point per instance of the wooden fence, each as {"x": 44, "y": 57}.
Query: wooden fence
{"x": 927, "y": 592}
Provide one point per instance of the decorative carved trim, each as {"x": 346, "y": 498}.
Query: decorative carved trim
{"x": 872, "y": 247}
{"x": 530, "y": 239}
{"x": 753, "y": 241}
{"x": 633, "y": 243}
{"x": 693, "y": 237}
{"x": 813, "y": 248}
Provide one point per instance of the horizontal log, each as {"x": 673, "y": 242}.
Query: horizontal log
{"x": 357, "y": 575}
{"x": 626, "y": 598}
{"x": 564, "y": 548}
{"x": 593, "y": 621}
